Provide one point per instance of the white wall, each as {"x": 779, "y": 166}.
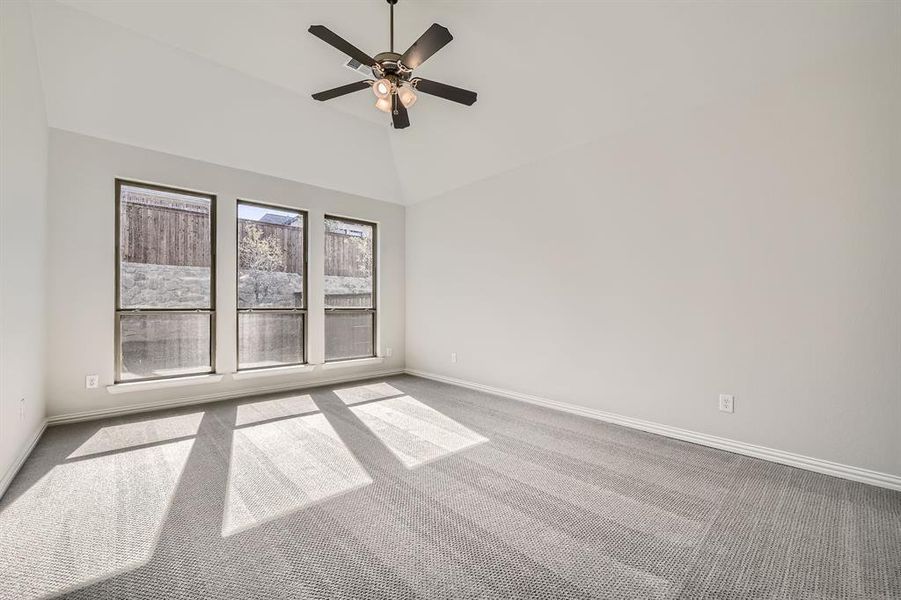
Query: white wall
{"x": 23, "y": 210}
{"x": 110, "y": 82}
{"x": 750, "y": 247}
{"x": 82, "y": 266}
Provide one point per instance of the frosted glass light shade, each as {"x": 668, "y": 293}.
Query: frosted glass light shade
{"x": 384, "y": 104}
{"x": 406, "y": 96}
{"x": 381, "y": 88}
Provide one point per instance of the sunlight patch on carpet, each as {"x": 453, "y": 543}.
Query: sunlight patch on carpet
{"x": 88, "y": 520}
{"x": 266, "y": 410}
{"x": 280, "y": 467}
{"x": 415, "y": 433}
{"x": 139, "y": 433}
{"x": 364, "y": 393}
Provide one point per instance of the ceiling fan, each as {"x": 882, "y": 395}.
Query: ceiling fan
{"x": 394, "y": 84}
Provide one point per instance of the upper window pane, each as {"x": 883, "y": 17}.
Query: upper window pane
{"x": 165, "y": 249}
{"x": 348, "y": 263}
{"x": 270, "y": 257}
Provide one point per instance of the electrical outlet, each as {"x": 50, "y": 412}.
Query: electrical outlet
{"x": 727, "y": 403}
{"x": 388, "y": 352}
{"x": 453, "y": 357}
{"x": 91, "y": 381}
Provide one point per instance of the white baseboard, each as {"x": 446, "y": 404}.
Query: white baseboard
{"x": 103, "y": 413}
{"x": 20, "y": 460}
{"x": 826, "y": 467}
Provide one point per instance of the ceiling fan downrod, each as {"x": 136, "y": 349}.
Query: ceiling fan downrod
{"x": 392, "y": 3}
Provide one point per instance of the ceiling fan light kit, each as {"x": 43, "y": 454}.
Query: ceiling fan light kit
{"x": 394, "y": 84}
{"x": 384, "y": 104}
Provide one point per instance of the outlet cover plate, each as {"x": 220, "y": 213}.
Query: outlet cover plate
{"x": 727, "y": 403}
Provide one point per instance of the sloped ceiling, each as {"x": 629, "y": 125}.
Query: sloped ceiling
{"x": 229, "y": 82}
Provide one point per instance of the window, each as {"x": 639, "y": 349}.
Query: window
{"x": 349, "y": 289}
{"x": 272, "y": 266}
{"x": 165, "y": 282}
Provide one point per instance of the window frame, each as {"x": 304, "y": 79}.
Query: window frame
{"x": 303, "y": 311}
{"x": 119, "y": 311}
{"x": 373, "y": 309}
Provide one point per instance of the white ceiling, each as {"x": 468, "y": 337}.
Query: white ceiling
{"x": 229, "y": 82}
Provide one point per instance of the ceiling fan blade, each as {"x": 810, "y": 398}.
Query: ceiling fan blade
{"x": 399, "y": 115}
{"x": 448, "y": 92}
{"x": 434, "y": 39}
{"x": 341, "y": 90}
{"x": 330, "y": 37}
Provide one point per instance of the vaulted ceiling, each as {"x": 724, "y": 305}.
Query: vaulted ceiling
{"x": 230, "y": 82}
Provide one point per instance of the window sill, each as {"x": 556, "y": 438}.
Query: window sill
{"x": 271, "y": 372}
{"x": 356, "y": 362}
{"x": 157, "y": 384}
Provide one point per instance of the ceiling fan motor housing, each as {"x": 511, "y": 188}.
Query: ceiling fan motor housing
{"x": 391, "y": 66}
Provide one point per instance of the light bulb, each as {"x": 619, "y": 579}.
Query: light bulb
{"x": 382, "y": 88}
{"x": 384, "y": 104}
{"x": 406, "y": 96}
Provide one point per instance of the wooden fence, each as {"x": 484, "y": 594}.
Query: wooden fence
{"x": 174, "y": 236}
{"x": 347, "y": 255}
{"x": 165, "y": 236}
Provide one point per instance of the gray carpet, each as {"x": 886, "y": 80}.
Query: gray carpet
{"x": 406, "y": 488}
